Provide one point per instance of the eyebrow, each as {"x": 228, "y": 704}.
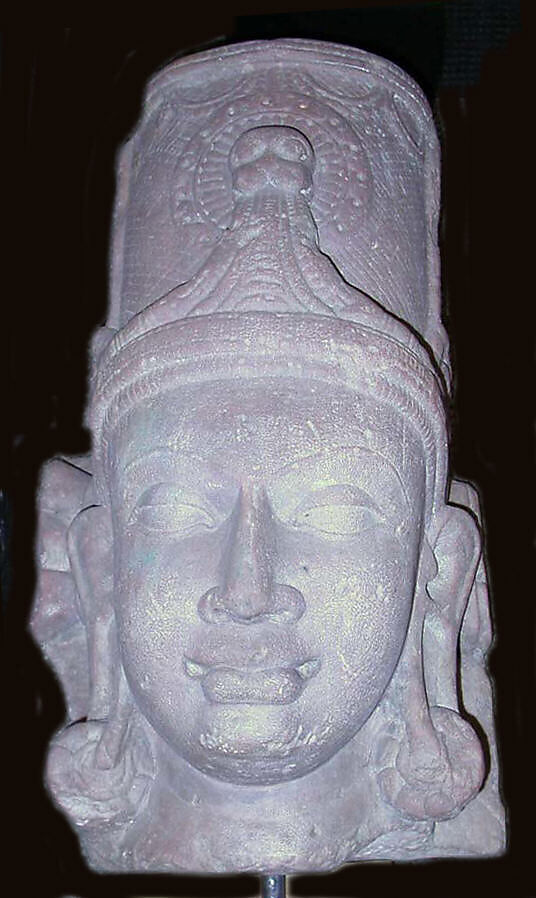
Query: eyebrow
{"x": 363, "y": 450}
{"x": 168, "y": 454}
{"x": 202, "y": 470}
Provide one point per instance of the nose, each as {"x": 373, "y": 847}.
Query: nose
{"x": 247, "y": 592}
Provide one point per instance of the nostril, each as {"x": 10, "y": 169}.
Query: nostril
{"x": 288, "y": 604}
{"x": 211, "y": 608}
{"x": 216, "y": 606}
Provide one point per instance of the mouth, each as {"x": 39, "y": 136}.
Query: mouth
{"x": 271, "y": 686}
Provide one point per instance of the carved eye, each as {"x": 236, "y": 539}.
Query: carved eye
{"x": 339, "y": 511}
{"x": 340, "y": 520}
{"x": 166, "y": 508}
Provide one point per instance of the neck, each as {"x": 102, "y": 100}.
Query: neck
{"x": 194, "y": 823}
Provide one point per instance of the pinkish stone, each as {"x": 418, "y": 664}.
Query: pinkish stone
{"x": 263, "y": 594}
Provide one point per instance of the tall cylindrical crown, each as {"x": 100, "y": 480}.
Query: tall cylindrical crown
{"x": 373, "y": 197}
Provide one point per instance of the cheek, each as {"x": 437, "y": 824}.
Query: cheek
{"x": 365, "y": 612}
{"x": 159, "y": 582}
{"x": 358, "y": 598}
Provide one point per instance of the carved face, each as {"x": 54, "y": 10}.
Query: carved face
{"x": 267, "y": 538}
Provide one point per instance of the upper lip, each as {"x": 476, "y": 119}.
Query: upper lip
{"x": 198, "y": 669}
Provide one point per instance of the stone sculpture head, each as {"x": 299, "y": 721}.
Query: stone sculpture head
{"x": 266, "y": 562}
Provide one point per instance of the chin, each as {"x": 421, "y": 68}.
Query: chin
{"x": 259, "y": 744}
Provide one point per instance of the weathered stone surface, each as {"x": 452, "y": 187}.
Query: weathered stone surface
{"x": 263, "y": 594}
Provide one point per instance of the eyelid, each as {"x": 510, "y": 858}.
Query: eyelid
{"x": 163, "y": 495}
{"x": 338, "y": 494}
{"x": 337, "y": 520}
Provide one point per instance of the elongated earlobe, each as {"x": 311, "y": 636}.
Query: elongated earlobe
{"x": 90, "y": 543}
{"x": 435, "y": 765}
{"x": 99, "y": 769}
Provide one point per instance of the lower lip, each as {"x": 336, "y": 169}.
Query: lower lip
{"x": 226, "y": 685}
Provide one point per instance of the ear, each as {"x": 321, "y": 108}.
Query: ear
{"x": 454, "y": 538}
{"x": 90, "y": 548}
{"x": 456, "y": 544}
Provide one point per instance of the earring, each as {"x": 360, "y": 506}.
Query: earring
{"x": 433, "y": 783}
{"x": 100, "y": 771}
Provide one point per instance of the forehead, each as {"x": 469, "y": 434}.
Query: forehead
{"x": 264, "y": 425}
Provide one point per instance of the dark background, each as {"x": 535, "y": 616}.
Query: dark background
{"x": 71, "y": 95}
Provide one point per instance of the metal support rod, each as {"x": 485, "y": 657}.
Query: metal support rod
{"x": 273, "y": 886}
